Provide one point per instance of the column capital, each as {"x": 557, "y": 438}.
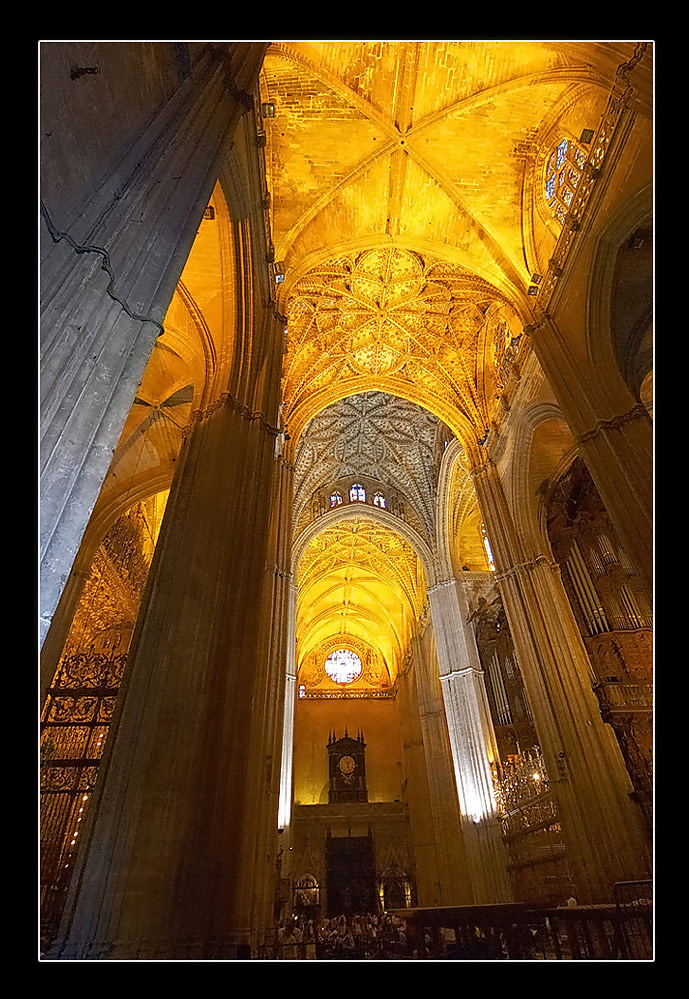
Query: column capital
{"x": 482, "y": 469}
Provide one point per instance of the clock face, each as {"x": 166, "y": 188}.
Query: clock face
{"x": 347, "y": 764}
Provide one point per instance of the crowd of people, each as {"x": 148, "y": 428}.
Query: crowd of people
{"x": 354, "y": 937}
{"x": 384, "y": 936}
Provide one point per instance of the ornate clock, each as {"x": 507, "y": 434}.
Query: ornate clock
{"x": 347, "y": 769}
{"x": 347, "y": 765}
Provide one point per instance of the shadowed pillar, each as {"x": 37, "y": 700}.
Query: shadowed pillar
{"x": 108, "y": 272}
{"x": 454, "y": 882}
{"x": 601, "y": 827}
{"x": 615, "y": 438}
{"x": 175, "y": 858}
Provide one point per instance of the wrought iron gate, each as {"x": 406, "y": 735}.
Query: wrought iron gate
{"x": 74, "y": 728}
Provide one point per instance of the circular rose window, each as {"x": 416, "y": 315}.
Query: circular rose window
{"x": 343, "y": 666}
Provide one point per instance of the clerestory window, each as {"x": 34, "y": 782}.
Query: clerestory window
{"x": 343, "y": 666}
{"x": 562, "y": 176}
{"x": 489, "y": 550}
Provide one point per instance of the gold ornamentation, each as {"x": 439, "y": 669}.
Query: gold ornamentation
{"x": 388, "y": 318}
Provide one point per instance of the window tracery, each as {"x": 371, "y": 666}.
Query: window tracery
{"x": 357, "y": 494}
{"x": 562, "y": 175}
{"x": 379, "y": 500}
{"x": 335, "y": 499}
{"x": 343, "y": 666}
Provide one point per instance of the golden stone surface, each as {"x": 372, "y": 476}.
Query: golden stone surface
{"x": 359, "y": 579}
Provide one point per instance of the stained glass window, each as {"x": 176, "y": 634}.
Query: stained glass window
{"x": 562, "y": 176}
{"x": 357, "y": 493}
{"x": 335, "y": 499}
{"x": 343, "y": 666}
{"x": 561, "y": 152}
{"x": 379, "y": 500}
{"x": 489, "y": 550}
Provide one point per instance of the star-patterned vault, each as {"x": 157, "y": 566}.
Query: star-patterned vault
{"x": 376, "y": 435}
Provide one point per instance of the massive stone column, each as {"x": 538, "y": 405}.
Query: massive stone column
{"x": 601, "y": 827}
{"x": 108, "y": 272}
{"x": 415, "y": 789}
{"x": 177, "y": 846}
{"x": 472, "y": 739}
{"x": 62, "y": 621}
{"x": 271, "y": 711}
{"x": 454, "y": 885}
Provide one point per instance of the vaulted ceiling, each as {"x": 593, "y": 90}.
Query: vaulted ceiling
{"x": 404, "y": 183}
{"x": 408, "y": 216}
{"x": 415, "y": 141}
{"x": 389, "y": 439}
{"x": 407, "y": 210}
{"x": 358, "y": 578}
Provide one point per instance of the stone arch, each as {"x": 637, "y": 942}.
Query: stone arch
{"x": 321, "y": 399}
{"x": 502, "y": 287}
{"x": 363, "y": 511}
{"x": 417, "y": 331}
{"x": 454, "y": 455}
{"x": 101, "y": 521}
{"x": 539, "y": 458}
{"x": 553, "y": 127}
{"x": 628, "y": 217}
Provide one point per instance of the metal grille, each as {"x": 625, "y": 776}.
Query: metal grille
{"x": 74, "y": 729}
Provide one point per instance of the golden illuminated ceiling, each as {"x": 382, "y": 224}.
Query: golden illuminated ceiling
{"x": 387, "y": 319}
{"x": 413, "y": 141}
{"x": 405, "y": 208}
{"x": 361, "y": 579}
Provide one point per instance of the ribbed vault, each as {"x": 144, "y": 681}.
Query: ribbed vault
{"x": 373, "y": 138}
{"x": 392, "y": 320}
{"x": 358, "y": 578}
{"x": 374, "y": 435}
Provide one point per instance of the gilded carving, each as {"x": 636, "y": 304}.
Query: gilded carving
{"x": 388, "y": 317}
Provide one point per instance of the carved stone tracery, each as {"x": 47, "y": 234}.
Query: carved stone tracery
{"x": 392, "y": 444}
{"x": 392, "y": 317}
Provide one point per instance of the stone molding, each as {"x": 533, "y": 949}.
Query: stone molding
{"x": 441, "y": 585}
{"x": 528, "y": 566}
{"x": 278, "y": 571}
{"x": 461, "y": 671}
{"x": 614, "y": 423}
{"x": 228, "y": 400}
{"x": 57, "y": 236}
